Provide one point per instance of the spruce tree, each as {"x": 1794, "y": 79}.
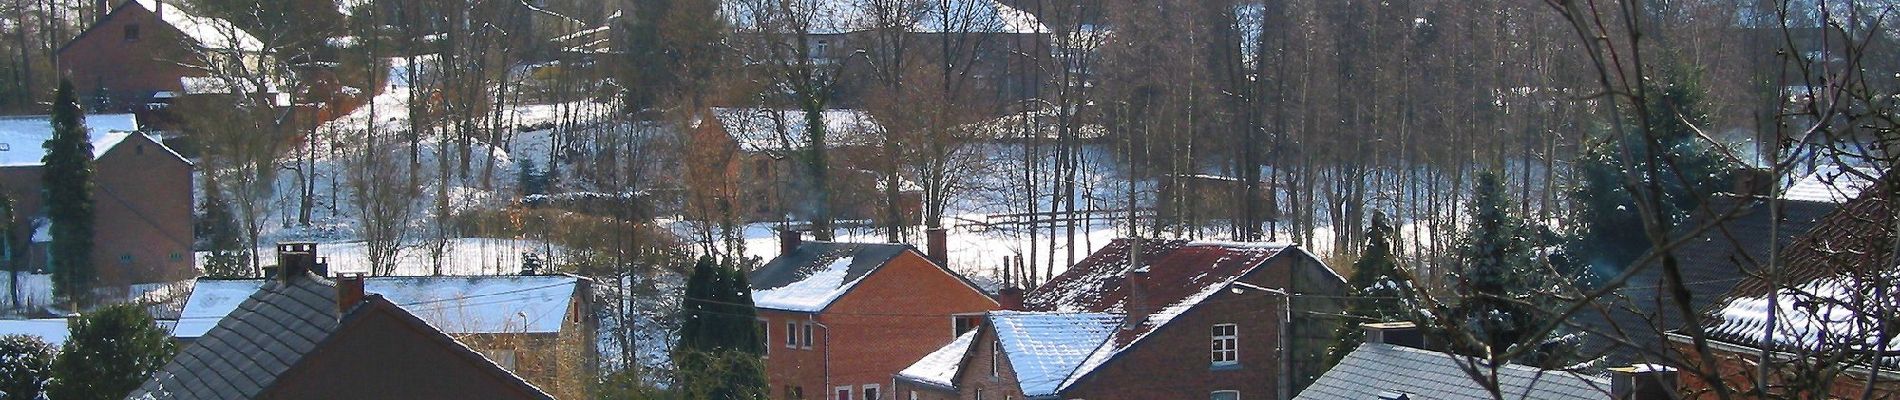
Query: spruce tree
{"x": 719, "y": 351}
{"x": 25, "y": 364}
{"x": 108, "y": 353}
{"x": 1668, "y": 154}
{"x": 229, "y": 259}
{"x": 1505, "y": 289}
{"x": 1379, "y": 288}
{"x": 67, "y": 179}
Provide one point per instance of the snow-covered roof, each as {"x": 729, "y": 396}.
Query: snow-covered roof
{"x": 221, "y": 85}
{"x": 778, "y": 131}
{"x": 1046, "y": 349}
{"x": 211, "y": 33}
{"x": 926, "y": 16}
{"x": 940, "y": 367}
{"x": 51, "y": 330}
{"x": 22, "y": 138}
{"x": 454, "y": 304}
{"x": 1041, "y": 123}
{"x": 1830, "y": 184}
{"x": 817, "y": 274}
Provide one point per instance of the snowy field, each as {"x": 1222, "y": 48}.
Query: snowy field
{"x": 461, "y": 257}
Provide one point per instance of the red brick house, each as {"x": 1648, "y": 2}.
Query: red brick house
{"x": 145, "y": 48}
{"x": 142, "y": 231}
{"x": 1830, "y": 314}
{"x": 304, "y": 337}
{"x": 1189, "y": 320}
{"x": 754, "y": 156}
{"x": 841, "y": 318}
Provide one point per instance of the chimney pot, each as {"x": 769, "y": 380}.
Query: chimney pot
{"x": 1011, "y": 298}
{"x": 938, "y": 245}
{"x": 1643, "y": 382}
{"x": 349, "y": 292}
{"x": 295, "y": 259}
{"x": 1395, "y": 333}
{"x": 789, "y": 240}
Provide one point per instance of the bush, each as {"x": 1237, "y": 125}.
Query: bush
{"x": 26, "y": 363}
{"x": 108, "y": 353}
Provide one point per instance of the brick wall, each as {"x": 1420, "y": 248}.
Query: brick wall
{"x": 143, "y": 213}
{"x": 128, "y": 65}
{"x": 894, "y": 317}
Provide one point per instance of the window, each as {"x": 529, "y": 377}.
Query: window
{"x": 125, "y": 258}
{"x": 965, "y": 323}
{"x": 1224, "y": 395}
{"x": 132, "y": 33}
{"x": 807, "y": 343}
{"x": 178, "y": 256}
{"x": 871, "y": 392}
{"x": 913, "y": 395}
{"x": 796, "y": 393}
{"x": 1226, "y": 344}
{"x": 823, "y": 47}
{"x": 979, "y": 393}
{"x": 765, "y": 336}
{"x": 996, "y": 353}
{"x": 791, "y": 334}
{"x": 844, "y": 393}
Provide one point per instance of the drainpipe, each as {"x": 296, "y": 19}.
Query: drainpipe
{"x": 827, "y": 390}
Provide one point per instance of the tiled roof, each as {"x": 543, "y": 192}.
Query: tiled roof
{"x": 1378, "y": 368}
{"x": 244, "y": 354}
{"x": 1712, "y": 263}
{"x": 1046, "y": 349}
{"x": 1830, "y": 278}
{"x": 454, "y": 304}
{"x": 810, "y": 278}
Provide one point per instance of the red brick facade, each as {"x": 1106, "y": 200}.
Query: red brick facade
{"x": 1739, "y": 368}
{"x": 892, "y": 317}
{"x": 142, "y": 202}
{"x": 131, "y": 53}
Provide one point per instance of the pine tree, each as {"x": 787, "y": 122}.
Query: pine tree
{"x": 108, "y": 353}
{"x": 1505, "y": 289}
{"x": 67, "y": 179}
{"x": 719, "y": 351}
{"x": 1686, "y": 169}
{"x": 1379, "y": 288}
{"x": 25, "y": 364}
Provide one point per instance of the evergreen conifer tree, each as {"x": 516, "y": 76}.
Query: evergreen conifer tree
{"x": 1379, "y": 288}
{"x": 718, "y": 355}
{"x": 108, "y": 353}
{"x": 1505, "y": 290}
{"x": 67, "y": 179}
{"x": 25, "y": 364}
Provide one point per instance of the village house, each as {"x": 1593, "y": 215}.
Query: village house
{"x": 148, "y": 49}
{"x": 1149, "y": 319}
{"x": 1825, "y": 312}
{"x": 1394, "y": 364}
{"x": 756, "y": 157}
{"x": 840, "y": 318}
{"x": 539, "y": 327}
{"x": 142, "y": 199}
{"x": 301, "y": 336}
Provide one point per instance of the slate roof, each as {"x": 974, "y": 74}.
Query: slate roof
{"x": 245, "y": 353}
{"x": 22, "y": 137}
{"x": 810, "y": 278}
{"x": 1712, "y": 263}
{"x": 1376, "y": 368}
{"x": 454, "y": 304}
{"x": 1832, "y": 274}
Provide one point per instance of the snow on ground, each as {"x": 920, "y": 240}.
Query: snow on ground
{"x": 36, "y": 291}
{"x": 51, "y": 330}
{"x": 462, "y": 257}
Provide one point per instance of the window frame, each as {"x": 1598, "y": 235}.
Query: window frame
{"x": 1212, "y": 395}
{"x": 808, "y": 336}
{"x": 765, "y": 337}
{"x": 791, "y": 334}
{"x": 1224, "y": 349}
{"x": 996, "y": 355}
{"x": 871, "y": 391}
{"x": 841, "y": 393}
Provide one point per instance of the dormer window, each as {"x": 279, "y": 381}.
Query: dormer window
{"x": 132, "y": 33}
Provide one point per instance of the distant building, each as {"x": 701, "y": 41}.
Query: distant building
{"x": 1393, "y": 364}
{"x": 841, "y": 318}
{"x": 142, "y": 199}
{"x": 756, "y": 157}
{"x": 304, "y": 337}
{"x": 539, "y": 327}
{"x": 150, "y": 49}
{"x": 1179, "y": 319}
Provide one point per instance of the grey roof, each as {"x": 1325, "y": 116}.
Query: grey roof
{"x": 1374, "y": 368}
{"x": 810, "y": 257}
{"x": 1712, "y": 263}
{"x": 244, "y": 354}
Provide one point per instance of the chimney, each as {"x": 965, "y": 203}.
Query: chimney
{"x": 1395, "y": 333}
{"x": 105, "y": 7}
{"x": 294, "y": 259}
{"x": 1011, "y": 298}
{"x": 1137, "y": 280}
{"x": 939, "y": 250}
{"x": 349, "y": 292}
{"x": 788, "y": 241}
{"x": 1643, "y": 382}
{"x": 158, "y": 7}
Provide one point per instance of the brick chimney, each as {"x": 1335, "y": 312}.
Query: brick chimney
{"x": 788, "y": 241}
{"x": 105, "y": 7}
{"x": 1137, "y": 280}
{"x": 349, "y": 292}
{"x": 937, "y": 242}
{"x": 1643, "y": 382}
{"x": 294, "y": 259}
{"x": 1395, "y": 333}
{"x": 1011, "y": 298}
